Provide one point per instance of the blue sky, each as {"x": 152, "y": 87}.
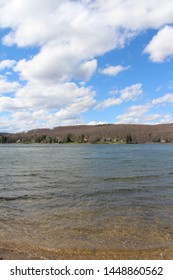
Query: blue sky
{"x": 85, "y": 62}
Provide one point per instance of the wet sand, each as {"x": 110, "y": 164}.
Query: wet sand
{"x": 78, "y": 254}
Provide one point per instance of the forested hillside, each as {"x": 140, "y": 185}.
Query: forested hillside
{"x": 108, "y": 133}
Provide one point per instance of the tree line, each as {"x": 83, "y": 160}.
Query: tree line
{"x": 107, "y": 133}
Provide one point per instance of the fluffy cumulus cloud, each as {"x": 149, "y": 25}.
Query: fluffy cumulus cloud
{"x": 7, "y": 63}
{"x": 140, "y": 114}
{"x": 147, "y": 113}
{"x": 29, "y": 96}
{"x": 160, "y": 46}
{"x": 6, "y": 86}
{"x": 131, "y": 93}
{"x": 127, "y": 94}
{"x": 86, "y": 70}
{"x": 135, "y": 113}
{"x": 113, "y": 70}
{"x": 70, "y": 36}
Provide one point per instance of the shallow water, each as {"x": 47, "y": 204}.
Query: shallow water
{"x": 87, "y": 197}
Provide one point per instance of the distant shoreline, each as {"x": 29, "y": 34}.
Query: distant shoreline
{"x": 96, "y": 134}
{"x": 99, "y": 143}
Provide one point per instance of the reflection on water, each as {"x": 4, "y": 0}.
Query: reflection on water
{"x": 89, "y": 197}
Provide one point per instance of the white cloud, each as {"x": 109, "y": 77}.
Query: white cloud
{"x": 113, "y": 70}
{"x": 7, "y": 87}
{"x": 81, "y": 105}
{"x": 131, "y": 92}
{"x": 9, "y": 104}
{"x": 109, "y": 102}
{"x": 56, "y": 63}
{"x": 142, "y": 114}
{"x": 160, "y": 46}
{"x": 137, "y": 110}
{"x": 137, "y": 114}
{"x": 167, "y": 98}
{"x": 32, "y": 22}
{"x": 59, "y": 104}
{"x": 127, "y": 94}
{"x": 96, "y": 123}
{"x": 21, "y": 121}
{"x": 86, "y": 70}
{"x": 166, "y": 119}
{"x": 7, "y": 64}
{"x": 37, "y": 119}
{"x": 143, "y": 13}
{"x": 62, "y": 22}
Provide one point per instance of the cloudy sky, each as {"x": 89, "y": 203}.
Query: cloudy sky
{"x": 65, "y": 62}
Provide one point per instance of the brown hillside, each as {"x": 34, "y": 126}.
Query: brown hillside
{"x": 98, "y": 133}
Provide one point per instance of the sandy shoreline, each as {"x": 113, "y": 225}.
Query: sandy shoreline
{"x": 79, "y": 254}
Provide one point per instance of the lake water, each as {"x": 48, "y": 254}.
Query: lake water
{"x": 86, "y": 197}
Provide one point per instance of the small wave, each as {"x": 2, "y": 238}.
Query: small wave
{"x": 23, "y": 175}
{"x": 129, "y": 179}
{"x": 14, "y": 197}
{"x": 110, "y": 192}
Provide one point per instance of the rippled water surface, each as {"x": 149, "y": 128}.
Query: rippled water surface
{"x": 98, "y": 197}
